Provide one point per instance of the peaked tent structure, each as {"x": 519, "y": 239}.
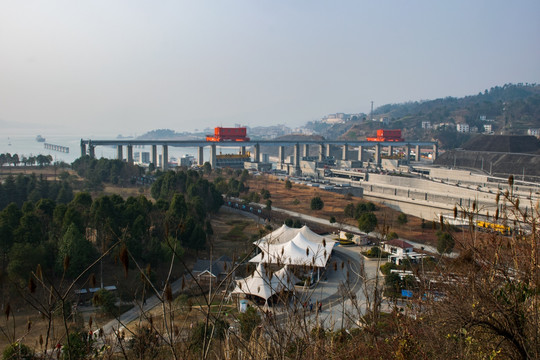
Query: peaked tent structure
{"x": 285, "y": 234}
{"x": 287, "y": 278}
{"x": 261, "y": 285}
{"x": 298, "y": 251}
{"x": 313, "y": 237}
{"x": 278, "y": 236}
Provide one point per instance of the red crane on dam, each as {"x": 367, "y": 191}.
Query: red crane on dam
{"x": 228, "y": 134}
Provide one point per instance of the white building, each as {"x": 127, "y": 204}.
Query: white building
{"x": 401, "y": 250}
{"x": 187, "y": 160}
{"x": 462, "y": 128}
{"x": 397, "y": 247}
{"x": 426, "y": 124}
{"x": 142, "y": 157}
{"x": 488, "y": 128}
{"x": 533, "y": 132}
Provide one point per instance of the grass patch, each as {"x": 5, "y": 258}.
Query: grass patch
{"x": 239, "y": 223}
{"x": 236, "y": 233}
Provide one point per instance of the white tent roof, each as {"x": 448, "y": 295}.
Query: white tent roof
{"x": 285, "y": 233}
{"x": 298, "y": 251}
{"x": 311, "y": 236}
{"x": 260, "y": 284}
{"x": 278, "y": 236}
{"x": 287, "y": 278}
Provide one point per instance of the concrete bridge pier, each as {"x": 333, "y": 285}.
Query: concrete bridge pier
{"x": 408, "y": 153}
{"x": 257, "y": 153}
{"x": 83, "y": 149}
{"x": 213, "y": 160}
{"x": 344, "y": 151}
{"x": 390, "y": 150}
{"x": 165, "y": 158}
{"x": 296, "y": 155}
{"x": 154, "y": 155}
{"x": 243, "y": 150}
{"x": 119, "y": 154}
{"x": 328, "y": 150}
{"x": 435, "y": 152}
{"x": 321, "y": 152}
{"x": 92, "y": 151}
{"x": 200, "y": 158}
{"x": 281, "y": 155}
{"x": 378, "y": 154}
{"x": 130, "y": 154}
{"x": 360, "y": 153}
{"x": 418, "y": 155}
{"x": 305, "y": 151}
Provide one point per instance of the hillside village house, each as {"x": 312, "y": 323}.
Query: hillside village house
{"x": 206, "y": 271}
{"x": 400, "y": 250}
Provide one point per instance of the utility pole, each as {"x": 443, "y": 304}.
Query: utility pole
{"x": 371, "y": 115}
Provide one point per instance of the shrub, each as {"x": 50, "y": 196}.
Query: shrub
{"x": 385, "y": 268}
{"x": 17, "y": 351}
{"x": 317, "y": 203}
{"x": 248, "y": 322}
{"x": 402, "y": 219}
{"x": 288, "y": 184}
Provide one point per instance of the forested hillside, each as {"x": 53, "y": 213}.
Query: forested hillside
{"x": 511, "y": 109}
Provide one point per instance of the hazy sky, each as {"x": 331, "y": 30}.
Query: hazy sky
{"x": 108, "y": 66}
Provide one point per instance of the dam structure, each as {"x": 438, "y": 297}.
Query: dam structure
{"x": 347, "y": 150}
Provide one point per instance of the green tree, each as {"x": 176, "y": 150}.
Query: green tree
{"x": 80, "y": 345}
{"x": 245, "y": 176}
{"x": 402, "y": 219}
{"x": 17, "y": 351}
{"x": 197, "y": 240}
{"x": 445, "y": 242}
{"x": 24, "y": 258}
{"x": 207, "y": 168}
{"x": 9, "y": 221}
{"x": 29, "y": 230}
{"x": 349, "y": 210}
{"x": 106, "y": 300}
{"x": 202, "y": 334}
{"x": 332, "y": 220}
{"x": 80, "y": 251}
{"x": 367, "y": 222}
{"x": 288, "y": 184}
{"x": 317, "y": 203}
{"x": 265, "y": 194}
{"x": 268, "y": 204}
{"x": 289, "y": 222}
{"x": 393, "y": 283}
{"x": 249, "y": 320}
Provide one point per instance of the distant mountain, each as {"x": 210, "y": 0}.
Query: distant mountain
{"x": 511, "y": 109}
{"x": 165, "y": 134}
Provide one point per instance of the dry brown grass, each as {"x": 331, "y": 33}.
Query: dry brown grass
{"x": 334, "y": 205}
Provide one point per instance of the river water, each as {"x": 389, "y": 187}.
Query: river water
{"x": 26, "y": 145}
